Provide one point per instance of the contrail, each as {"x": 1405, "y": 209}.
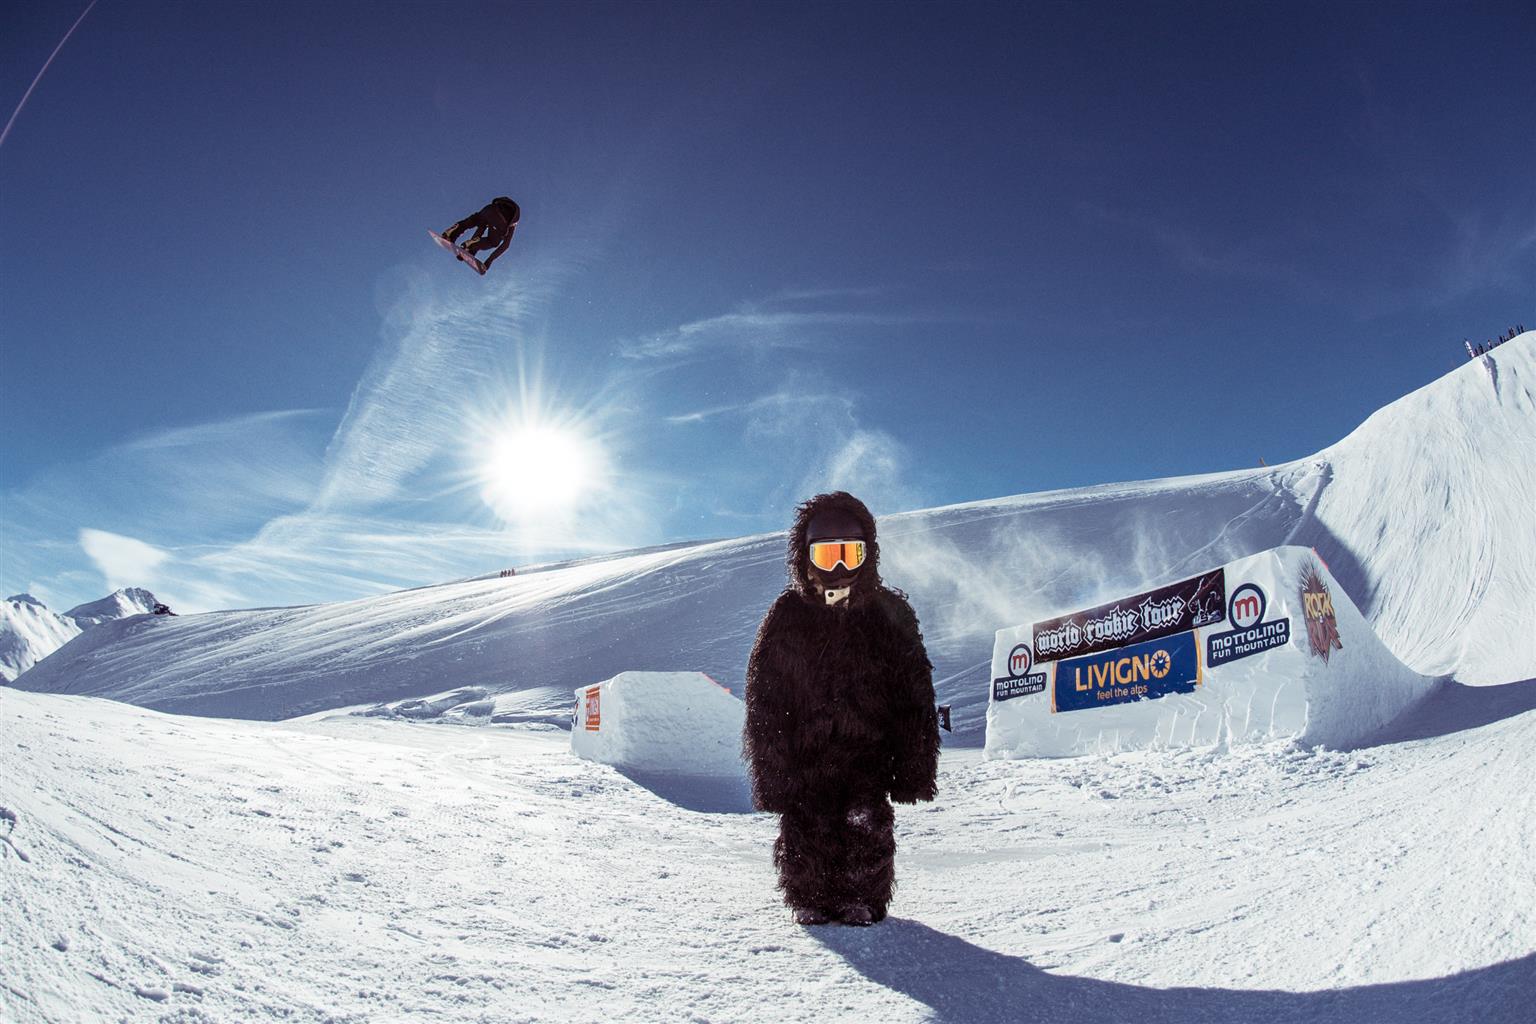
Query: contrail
{"x": 43, "y": 71}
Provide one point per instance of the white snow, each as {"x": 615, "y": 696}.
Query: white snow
{"x": 363, "y": 869}
{"x": 391, "y": 863}
{"x": 1422, "y": 514}
{"x": 1286, "y": 691}
{"x": 29, "y": 632}
{"x": 677, "y": 723}
{"x": 117, "y": 605}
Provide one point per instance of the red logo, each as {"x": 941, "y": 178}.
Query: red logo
{"x": 1246, "y": 607}
{"x": 594, "y": 708}
{"x": 1020, "y": 661}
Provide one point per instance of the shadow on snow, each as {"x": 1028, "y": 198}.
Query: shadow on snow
{"x": 963, "y": 982}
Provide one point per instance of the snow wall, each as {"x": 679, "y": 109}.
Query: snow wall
{"x": 1265, "y": 647}
{"x": 678, "y": 723}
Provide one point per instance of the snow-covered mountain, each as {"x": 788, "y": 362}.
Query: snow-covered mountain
{"x": 1422, "y": 513}
{"x": 117, "y": 605}
{"x": 30, "y": 632}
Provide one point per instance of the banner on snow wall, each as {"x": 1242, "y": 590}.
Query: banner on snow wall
{"x": 1265, "y": 647}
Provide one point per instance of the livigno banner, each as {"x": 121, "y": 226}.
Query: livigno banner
{"x": 1262, "y": 648}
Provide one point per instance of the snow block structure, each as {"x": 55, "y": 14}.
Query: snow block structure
{"x": 678, "y": 723}
{"x": 1265, "y": 647}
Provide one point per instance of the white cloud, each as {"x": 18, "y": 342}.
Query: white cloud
{"x": 124, "y": 561}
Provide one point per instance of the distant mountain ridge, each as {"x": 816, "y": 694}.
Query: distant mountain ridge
{"x": 30, "y": 631}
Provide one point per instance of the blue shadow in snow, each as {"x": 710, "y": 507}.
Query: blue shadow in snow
{"x": 1453, "y": 707}
{"x": 709, "y": 794}
{"x": 967, "y": 984}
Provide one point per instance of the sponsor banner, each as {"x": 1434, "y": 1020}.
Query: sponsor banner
{"x": 594, "y": 708}
{"x": 1317, "y": 609}
{"x": 1020, "y": 681}
{"x": 1176, "y": 608}
{"x": 1252, "y": 635}
{"x": 1142, "y": 671}
{"x": 1018, "y": 686}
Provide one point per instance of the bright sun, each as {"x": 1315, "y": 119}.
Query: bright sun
{"x": 537, "y": 471}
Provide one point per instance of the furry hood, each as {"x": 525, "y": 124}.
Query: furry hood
{"x": 867, "y": 582}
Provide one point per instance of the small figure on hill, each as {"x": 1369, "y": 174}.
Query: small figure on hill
{"x": 163, "y": 609}
{"x": 494, "y": 226}
{"x": 840, "y": 717}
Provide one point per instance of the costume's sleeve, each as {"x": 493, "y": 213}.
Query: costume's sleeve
{"x": 505, "y": 241}
{"x": 769, "y": 730}
{"x": 915, "y": 740}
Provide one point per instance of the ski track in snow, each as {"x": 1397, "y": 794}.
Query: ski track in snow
{"x": 172, "y": 869}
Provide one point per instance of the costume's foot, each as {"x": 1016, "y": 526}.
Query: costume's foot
{"x": 857, "y": 915}
{"x": 810, "y": 916}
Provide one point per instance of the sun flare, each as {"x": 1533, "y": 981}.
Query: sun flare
{"x": 537, "y": 470}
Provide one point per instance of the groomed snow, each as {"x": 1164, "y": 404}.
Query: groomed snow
{"x": 163, "y": 868}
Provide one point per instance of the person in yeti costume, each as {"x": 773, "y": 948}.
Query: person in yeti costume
{"x": 840, "y": 717}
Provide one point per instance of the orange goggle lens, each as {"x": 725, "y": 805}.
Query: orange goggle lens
{"x": 826, "y": 554}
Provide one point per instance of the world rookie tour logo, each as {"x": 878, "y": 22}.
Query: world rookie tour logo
{"x": 1020, "y": 681}
{"x": 1317, "y": 609}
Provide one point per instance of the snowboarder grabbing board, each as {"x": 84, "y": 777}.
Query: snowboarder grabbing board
{"x": 459, "y": 251}
{"x": 494, "y": 226}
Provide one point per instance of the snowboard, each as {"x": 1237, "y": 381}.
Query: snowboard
{"x": 459, "y": 251}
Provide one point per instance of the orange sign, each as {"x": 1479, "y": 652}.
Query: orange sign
{"x": 594, "y": 709}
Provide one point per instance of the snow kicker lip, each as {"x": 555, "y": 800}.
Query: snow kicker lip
{"x": 1282, "y": 652}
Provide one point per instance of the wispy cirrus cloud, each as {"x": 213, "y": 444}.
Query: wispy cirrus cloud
{"x": 754, "y": 330}
{"x": 788, "y": 319}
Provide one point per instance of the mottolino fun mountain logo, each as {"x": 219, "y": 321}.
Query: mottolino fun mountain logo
{"x": 1317, "y": 609}
{"x": 1020, "y": 681}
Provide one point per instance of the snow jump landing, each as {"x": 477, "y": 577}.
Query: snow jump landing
{"x": 1266, "y": 647}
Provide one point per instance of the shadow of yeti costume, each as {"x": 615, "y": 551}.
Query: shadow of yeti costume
{"x": 840, "y": 721}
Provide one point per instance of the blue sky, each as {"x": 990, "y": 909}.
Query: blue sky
{"x": 931, "y": 253}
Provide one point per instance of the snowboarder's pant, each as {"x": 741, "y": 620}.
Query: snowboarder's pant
{"x": 827, "y": 862}
{"x": 490, "y": 226}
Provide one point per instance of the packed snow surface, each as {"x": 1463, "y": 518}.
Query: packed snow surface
{"x": 164, "y": 868}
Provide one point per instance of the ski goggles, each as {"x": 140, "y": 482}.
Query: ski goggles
{"x": 826, "y": 555}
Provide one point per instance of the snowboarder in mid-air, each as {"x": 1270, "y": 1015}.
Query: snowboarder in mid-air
{"x": 840, "y": 718}
{"x": 494, "y": 226}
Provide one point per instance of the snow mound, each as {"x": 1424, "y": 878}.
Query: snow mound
{"x": 468, "y": 705}
{"x": 1264, "y": 648}
{"x": 674, "y": 723}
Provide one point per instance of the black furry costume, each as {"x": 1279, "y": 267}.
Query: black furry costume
{"x": 840, "y": 721}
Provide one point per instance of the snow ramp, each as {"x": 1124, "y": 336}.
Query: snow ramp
{"x": 1262, "y": 648}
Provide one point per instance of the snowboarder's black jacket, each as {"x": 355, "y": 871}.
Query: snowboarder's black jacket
{"x": 839, "y": 698}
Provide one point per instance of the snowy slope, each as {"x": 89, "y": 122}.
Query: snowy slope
{"x": 156, "y": 867}
{"x": 1422, "y": 514}
{"x": 29, "y": 632}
